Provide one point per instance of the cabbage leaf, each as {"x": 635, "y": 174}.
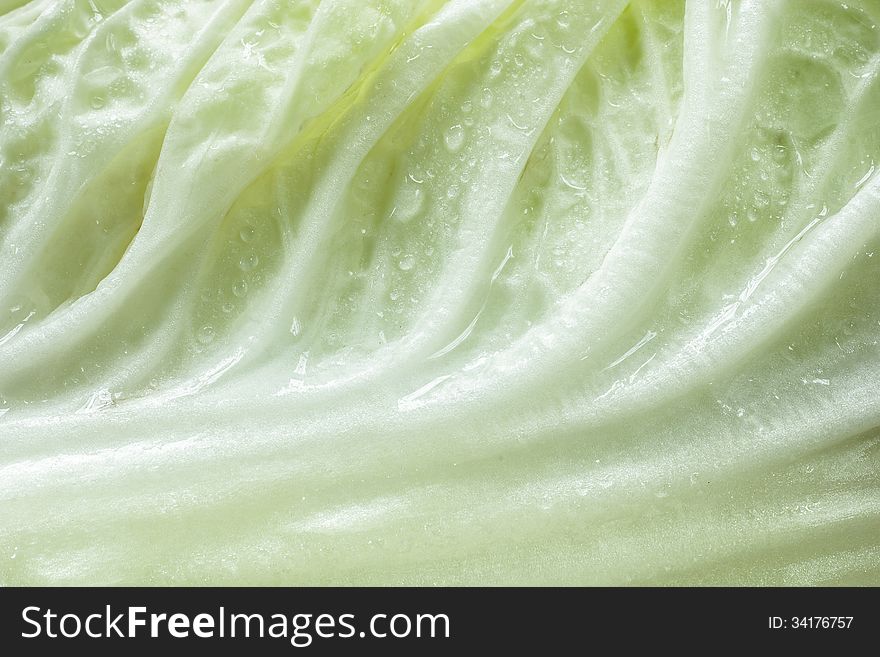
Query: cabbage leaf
{"x": 423, "y": 291}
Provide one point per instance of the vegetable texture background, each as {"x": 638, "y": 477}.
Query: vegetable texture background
{"x": 412, "y": 291}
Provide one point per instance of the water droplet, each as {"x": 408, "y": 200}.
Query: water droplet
{"x": 98, "y": 401}
{"x": 98, "y": 102}
{"x": 205, "y": 335}
{"x": 454, "y": 138}
{"x": 394, "y": 295}
{"x": 247, "y": 234}
{"x": 409, "y": 204}
{"x": 779, "y": 154}
{"x": 249, "y": 262}
{"x": 240, "y": 288}
{"x": 518, "y": 59}
{"x": 227, "y": 308}
{"x": 467, "y": 106}
{"x": 407, "y": 263}
{"x": 495, "y": 68}
{"x": 563, "y": 20}
{"x": 486, "y": 98}
{"x": 755, "y": 155}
